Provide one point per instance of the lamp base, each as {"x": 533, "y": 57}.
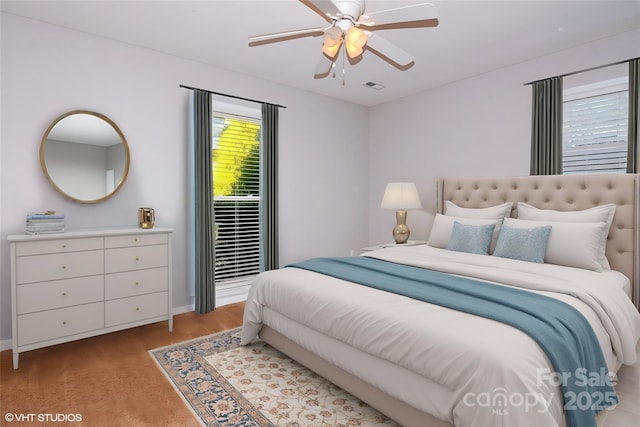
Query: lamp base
{"x": 401, "y": 231}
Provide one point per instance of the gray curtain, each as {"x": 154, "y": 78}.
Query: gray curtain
{"x": 269, "y": 189}
{"x": 546, "y": 130}
{"x": 634, "y": 115}
{"x": 205, "y": 289}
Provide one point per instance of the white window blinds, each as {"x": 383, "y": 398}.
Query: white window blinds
{"x": 236, "y": 190}
{"x": 594, "y": 132}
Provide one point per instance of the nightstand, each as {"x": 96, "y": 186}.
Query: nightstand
{"x": 389, "y": 245}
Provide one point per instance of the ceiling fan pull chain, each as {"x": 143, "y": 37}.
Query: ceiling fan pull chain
{"x": 344, "y": 54}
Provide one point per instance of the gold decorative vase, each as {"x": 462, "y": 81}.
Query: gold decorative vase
{"x": 401, "y": 231}
{"x": 146, "y": 217}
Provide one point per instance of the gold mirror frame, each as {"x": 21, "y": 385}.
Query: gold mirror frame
{"x": 57, "y": 185}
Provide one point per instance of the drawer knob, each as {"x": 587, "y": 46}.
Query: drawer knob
{"x": 64, "y": 322}
{"x": 64, "y": 267}
{"x": 137, "y": 283}
{"x": 64, "y": 294}
{"x": 135, "y": 240}
{"x": 64, "y": 246}
{"x": 137, "y": 309}
{"x": 137, "y": 259}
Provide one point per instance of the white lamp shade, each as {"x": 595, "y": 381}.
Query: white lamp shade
{"x": 401, "y": 195}
{"x": 355, "y": 39}
{"x": 332, "y": 41}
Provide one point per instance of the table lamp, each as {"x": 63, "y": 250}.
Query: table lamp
{"x": 401, "y": 196}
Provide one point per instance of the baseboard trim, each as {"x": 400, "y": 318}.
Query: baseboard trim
{"x": 183, "y": 309}
{"x": 224, "y": 296}
{"x": 232, "y": 295}
{"x": 6, "y": 345}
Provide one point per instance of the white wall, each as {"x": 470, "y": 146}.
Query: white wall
{"x": 48, "y": 70}
{"x": 475, "y": 127}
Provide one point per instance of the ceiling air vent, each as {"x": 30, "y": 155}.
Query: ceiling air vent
{"x": 373, "y": 85}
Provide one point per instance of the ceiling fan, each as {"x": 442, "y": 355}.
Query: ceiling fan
{"x": 351, "y": 29}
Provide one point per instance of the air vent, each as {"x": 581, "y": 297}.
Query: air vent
{"x": 373, "y": 85}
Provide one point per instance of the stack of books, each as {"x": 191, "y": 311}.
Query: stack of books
{"x": 46, "y": 222}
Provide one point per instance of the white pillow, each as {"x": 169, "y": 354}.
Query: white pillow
{"x": 573, "y": 244}
{"x": 602, "y": 213}
{"x": 443, "y": 227}
{"x": 493, "y": 212}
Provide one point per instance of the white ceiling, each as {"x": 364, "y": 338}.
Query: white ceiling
{"x": 472, "y": 37}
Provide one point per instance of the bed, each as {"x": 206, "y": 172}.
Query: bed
{"x": 427, "y": 365}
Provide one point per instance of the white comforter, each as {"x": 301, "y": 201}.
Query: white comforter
{"x": 470, "y": 360}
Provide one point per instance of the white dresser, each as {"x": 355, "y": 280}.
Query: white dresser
{"x": 83, "y": 283}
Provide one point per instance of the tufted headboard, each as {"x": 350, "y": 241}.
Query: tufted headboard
{"x": 564, "y": 193}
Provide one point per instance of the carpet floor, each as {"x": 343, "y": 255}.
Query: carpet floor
{"x": 226, "y": 384}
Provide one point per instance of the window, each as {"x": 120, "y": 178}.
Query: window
{"x": 236, "y": 197}
{"x": 594, "y": 131}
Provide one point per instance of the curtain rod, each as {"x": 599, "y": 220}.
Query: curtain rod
{"x": 585, "y": 70}
{"x": 231, "y": 96}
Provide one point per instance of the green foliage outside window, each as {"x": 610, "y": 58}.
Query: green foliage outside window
{"x": 236, "y": 157}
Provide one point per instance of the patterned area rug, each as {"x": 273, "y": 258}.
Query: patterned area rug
{"x": 226, "y": 384}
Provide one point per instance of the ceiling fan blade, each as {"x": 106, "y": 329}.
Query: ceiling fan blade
{"x": 274, "y": 37}
{"x": 414, "y": 13}
{"x": 324, "y": 8}
{"x": 323, "y": 67}
{"x": 389, "y": 50}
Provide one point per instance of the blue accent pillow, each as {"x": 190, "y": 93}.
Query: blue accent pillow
{"x": 524, "y": 244}
{"x": 471, "y": 238}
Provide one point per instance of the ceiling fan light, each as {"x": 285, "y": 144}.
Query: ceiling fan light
{"x": 353, "y": 50}
{"x": 332, "y": 50}
{"x": 332, "y": 36}
{"x": 354, "y": 41}
{"x": 356, "y": 36}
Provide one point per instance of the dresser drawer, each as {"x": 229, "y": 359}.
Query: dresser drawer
{"x": 127, "y": 259}
{"x": 46, "y": 325}
{"x": 40, "y": 268}
{"x": 135, "y": 240}
{"x": 138, "y": 282}
{"x": 127, "y": 310}
{"x": 59, "y": 293}
{"x": 58, "y": 246}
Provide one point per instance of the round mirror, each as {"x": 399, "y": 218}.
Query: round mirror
{"x": 85, "y": 156}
